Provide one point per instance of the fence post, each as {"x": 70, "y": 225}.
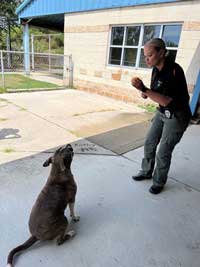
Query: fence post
{"x": 70, "y": 71}
{"x": 32, "y": 50}
{"x": 49, "y": 52}
{"x": 2, "y": 70}
{"x": 26, "y": 49}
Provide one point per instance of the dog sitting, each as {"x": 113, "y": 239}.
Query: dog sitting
{"x": 47, "y": 220}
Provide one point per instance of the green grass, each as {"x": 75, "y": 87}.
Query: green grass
{"x": 2, "y": 90}
{"x": 3, "y": 119}
{"x": 3, "y": 100}
{"x": 17, "y": 81}
{"x": 23, "y": 109}
{"x": 149, "y": 107}
{"x": 8, "y": 150}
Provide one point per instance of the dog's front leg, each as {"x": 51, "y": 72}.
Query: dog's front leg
{"x": 71, "y": 208}
{"x": 64, "y": 237}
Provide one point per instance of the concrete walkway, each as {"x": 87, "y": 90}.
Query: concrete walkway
{"x": 121, "y": 224}
{"x": 33, "y": 122}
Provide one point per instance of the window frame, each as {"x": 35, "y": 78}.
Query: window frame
{"x": 139, "y": 47}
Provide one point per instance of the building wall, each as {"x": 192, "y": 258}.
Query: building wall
{"x": 87, "y": 39}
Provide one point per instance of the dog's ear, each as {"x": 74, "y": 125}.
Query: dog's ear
{"x": 69, "y": 147}
{"x": 47, "y": 162}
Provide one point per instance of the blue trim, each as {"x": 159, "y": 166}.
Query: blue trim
{"x": 33, "y": 8}
{"x": 195, "y": 96}
{"x": 22, "y": 6}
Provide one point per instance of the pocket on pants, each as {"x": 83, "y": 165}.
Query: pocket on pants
{"x": 174, "y": 139}
{"x": 183, "y": 119}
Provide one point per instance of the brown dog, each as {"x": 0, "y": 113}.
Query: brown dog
{"x": 47, "y": 220}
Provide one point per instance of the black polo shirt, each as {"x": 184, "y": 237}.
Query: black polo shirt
{"x": 171, "y": 82}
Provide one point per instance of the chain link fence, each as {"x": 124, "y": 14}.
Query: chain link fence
{"x": 44, "y": 67}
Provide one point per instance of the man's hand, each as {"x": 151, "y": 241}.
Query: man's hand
{"x": 137, "y": 83}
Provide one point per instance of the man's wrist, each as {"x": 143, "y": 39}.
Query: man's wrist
{"x": 143, "y": 88}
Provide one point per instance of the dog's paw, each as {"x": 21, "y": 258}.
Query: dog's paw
{"x": 60, "y": 241}
{"x": 66, "y": 237}
{"x": 71, "y": 233}
{"x": 75, "y": 218}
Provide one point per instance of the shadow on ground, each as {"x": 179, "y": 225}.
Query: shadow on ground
{"x": 9, "y": 133}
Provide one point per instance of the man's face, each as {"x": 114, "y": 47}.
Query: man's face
{"x": 152, "y": 56}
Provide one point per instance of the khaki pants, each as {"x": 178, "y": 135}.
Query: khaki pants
{"x": 167, "y": 133}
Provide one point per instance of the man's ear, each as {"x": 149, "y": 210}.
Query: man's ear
{"x": 47, "y": 162}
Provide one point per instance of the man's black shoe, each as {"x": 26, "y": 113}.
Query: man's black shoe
{"x": 154, "y": 189}
{"x": 141, "y": 177}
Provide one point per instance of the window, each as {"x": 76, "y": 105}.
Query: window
{"x": 127, "y": 42}
{"x": 151, "y": 31}
{"x": 171, "y": 36}
{"x": 116, "y": 40}
{"x": 131, "y": 46}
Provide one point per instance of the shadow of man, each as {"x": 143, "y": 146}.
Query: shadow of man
{"x": 9, "y": 133}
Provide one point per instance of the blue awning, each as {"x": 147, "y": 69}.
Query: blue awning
{"x": 50, "y": 13}
{"x": 33, "y": 8}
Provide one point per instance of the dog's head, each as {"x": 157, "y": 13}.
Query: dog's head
{"x": 62, "y": 157}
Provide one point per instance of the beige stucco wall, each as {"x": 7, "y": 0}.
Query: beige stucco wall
{"x": 87, "y": 39}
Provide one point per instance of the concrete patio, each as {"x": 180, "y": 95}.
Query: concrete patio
{"x": 121, "y": 223}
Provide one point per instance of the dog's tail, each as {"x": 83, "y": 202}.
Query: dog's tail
{"x": 24, "y": 246}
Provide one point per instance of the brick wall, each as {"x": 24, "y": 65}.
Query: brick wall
{"x": 87, "y": 38}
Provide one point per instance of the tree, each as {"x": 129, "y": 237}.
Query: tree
{"x": 8, "y": 18}
{"x": 8, "y": 8}
{"x": 11, "y": 34}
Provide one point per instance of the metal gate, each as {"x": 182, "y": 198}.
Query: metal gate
{"x": 40, "y": 65}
